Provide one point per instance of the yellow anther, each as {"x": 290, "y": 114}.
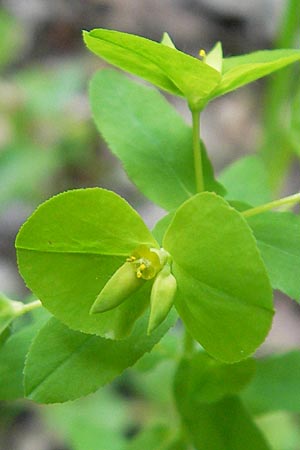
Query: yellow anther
{"x": 142, "y": 267}
{"x": 139, "y": 274}
{"x": 131, "y": 259}
{"x": 202, "y": 54}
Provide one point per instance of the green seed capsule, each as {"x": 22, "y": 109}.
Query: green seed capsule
{"x": 162, "y": 297}
{"x": 119, "y": 287}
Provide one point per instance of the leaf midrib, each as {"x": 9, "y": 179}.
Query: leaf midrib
{"x": 66, "y": 360}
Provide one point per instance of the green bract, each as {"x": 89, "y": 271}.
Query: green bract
{"x": 224, "y": 296}
{"x": 165, "y": 67}
{"x": 181, "y": 74}
{"x": 71, "y": 246}
{"x": 89, "y": 250}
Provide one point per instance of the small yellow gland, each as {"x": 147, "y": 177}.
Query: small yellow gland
{"x": 147, "y": 261}
{"x": 202, "y": 54}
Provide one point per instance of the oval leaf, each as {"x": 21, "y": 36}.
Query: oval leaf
{"x": 209, "y": 379}
{"x": 224, "y": 296}
{"x": 276, "y": 384}
{"x": 60, "y": 359}
{"x": 278, "y": 239}
{"x": 214, "y": 418}
{"x": 223, "y": 425}
{"x": 71, "y": 246}
{"x": 154, "y": 144}
{"x": 12, "y": 357}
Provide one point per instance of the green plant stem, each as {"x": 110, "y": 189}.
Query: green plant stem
{"x": 276, "y": 149}
{"x": 25, "y": 308}
{"x": 188, "y": 344}
{"x": 279, "y": 86}
{"x": 290, "y": 200}
{"x": 197, "y": 151}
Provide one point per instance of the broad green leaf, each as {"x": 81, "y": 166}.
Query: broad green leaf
{"x": 246, "y": 180}
{"x": 60, "y": 359}
{"x": 146, "y": 133}
{"x": 276, "y": 384}
{"x": 12, "y": 357}
{"x": 165, "y": 67}
{"x": 69, "y": 248}
{"x": 214, "y": 418}
{"x": 207, "y": 380}
{"x": 278, "y": 239}
{"x": 241, "y": 70}
{"x": 224, "y": 425}
{"x": 161, "y": 226}
{"x": 224, "y": 296}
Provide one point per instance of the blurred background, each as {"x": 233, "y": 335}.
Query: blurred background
{"x": 48, "y": 143}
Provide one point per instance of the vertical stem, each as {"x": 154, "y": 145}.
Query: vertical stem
{"x": 189, "y": 342}
{"x": 276, "y": 149}
{"x": 197, "y": 151}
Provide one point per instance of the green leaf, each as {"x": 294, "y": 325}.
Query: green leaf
{"x": 214, "y": 418}
{"x": 207, "y": 380}
{"x": 276, "y": 384}
{"x": 161, "y": 226}
{"x": 12, "y": 357}
{"x": 60, "y": 359}
{"x": 223, "y": 293}
{"x": 246, "y": 180}
{"x": 69, "y": 248}
{"x": 278, "y": 239}
{"x": 241, "y": 70}
{"x": 224, "y": 425}
{"x": 153, "y": 142}
{"x": 165, "y": 67}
